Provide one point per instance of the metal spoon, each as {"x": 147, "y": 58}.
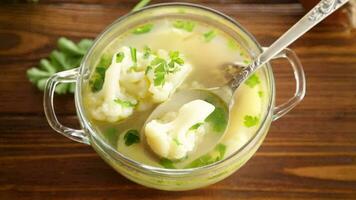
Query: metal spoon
{"x": 225, "y": 93}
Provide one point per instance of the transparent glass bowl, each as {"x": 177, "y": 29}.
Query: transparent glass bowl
{"x": 159, "y": 178}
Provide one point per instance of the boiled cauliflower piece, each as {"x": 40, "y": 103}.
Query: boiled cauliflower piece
{"x": 131, "y": 82}
{"x": 115, "y": 103}
{"x": 176, "y": 138}
{"x": 162, "y": 87}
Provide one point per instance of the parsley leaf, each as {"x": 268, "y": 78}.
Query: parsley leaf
{"x": 175, "y": 59}
{"x": 218, "y": 119}
{"x": 208, "y": 36}
{"x": 97, "y": 80}
{"x": 68, "y": 56}
{"x": 143, "y": 29}
{"x": 196, "y": 126}
{"x": 260, "y": 94}
{"x": 250, "y": 121}
{"x": 119, "y": 57}
{"x": 217, "y": 154}
{"x": 131, "y": 137}
{"x": 126, "y": 104}
{"x": 184, "y": 25}
{"x": 176, "y": 141}
{"x": 252, "y": 81}
{"x": 166, "y": 163}
{"x": 146, "y": 52}
{"x": 159, "y": 71}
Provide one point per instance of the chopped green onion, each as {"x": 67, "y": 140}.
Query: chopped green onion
{"x": 146, "y": 52}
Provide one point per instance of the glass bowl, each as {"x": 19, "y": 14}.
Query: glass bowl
{"x": 160, "y": 178}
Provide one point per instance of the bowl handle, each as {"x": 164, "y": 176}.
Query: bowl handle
{"x": 300, "y": 89}
{"x": 69, "y": 76}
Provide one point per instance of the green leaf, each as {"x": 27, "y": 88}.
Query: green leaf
{"x": 184, "y": 25}
{"x": 119, "y": 57}
{"x": 160, "y": 75}
{"x": 252, "y": 81}
{"x": 196, "y": 126}
{"x": 218, "y": 119}
{"x": 166, "y": 163}
{"x": 143, "y": 29}
{"x": 260, "y": 94}
{"x": 133, "y": 54}
{"x": 208, "y": 36}
{"x": 69, "y": 47}
{"x": 85, "y": 44}
{"x": 250, "y": 121}
{"x": 217, "y": 154}
{"x": 126, "y": 104}
{"x": 46, "y": 65}
{"x": 140, "y": 5}
{"x": 176, "y": 141}
{"x": 131, "y": 137}
{"x": 146, "y": 52}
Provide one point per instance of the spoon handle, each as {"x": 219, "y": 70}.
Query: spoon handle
{"x": 323, "y": 9}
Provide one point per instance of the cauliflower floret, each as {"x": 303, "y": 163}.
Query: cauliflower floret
{"x": 176, "y": 138}
{"x": 132, "y": 79}
{"x": 115, "y": 103}
{"x": 162, "y": 84}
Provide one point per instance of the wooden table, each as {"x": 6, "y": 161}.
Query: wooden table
{"x": 308, "y": 154}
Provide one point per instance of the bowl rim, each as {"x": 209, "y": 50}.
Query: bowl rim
{"x": 164, "y": 171}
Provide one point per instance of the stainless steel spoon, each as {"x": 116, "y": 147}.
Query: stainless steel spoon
{"x": 323, "y": 9}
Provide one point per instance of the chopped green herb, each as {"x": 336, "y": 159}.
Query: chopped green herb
{"x": 159, "y": 71}
{"x": 221, "y": 149}
{"x": 247, "y": 62}
{"x": 160, "y": 75}
{"x": 184, "y": 25}
{"x": 209, "y": 158}
{"x": 119, "y": 57}
{"x": 167, "y": 163}
{"x": 111, "y": 135}
{"x": 97, "y": 80}
{"x": 175, "y": 59}
{"x": 146, "y": 52}
{"x": 143, "y": 29}
{"x": 252, "y": 81}
{"x": 260, "y": 94}
{"x": 250, "y": 121}
{"x": 218, "y": 119}
{"x": 148, "y": 69}
{"x": 126, "y": 104}
{"x": 232, "y": 44}
{"x": 176, "y": 141}
{"x": 131, "y": 137}
{"x": 196, "y": 126}
{"x": 242, "y": 54}
{"x": 133, "y": 54}
{"x": 208, "y": 36}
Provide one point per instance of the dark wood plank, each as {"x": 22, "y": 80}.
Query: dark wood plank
{"x": 308, "y": 154}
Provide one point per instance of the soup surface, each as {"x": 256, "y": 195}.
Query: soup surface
{"x": 204, "y": 51}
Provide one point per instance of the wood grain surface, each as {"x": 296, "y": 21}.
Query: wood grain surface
{"x": 308, "y": 154}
